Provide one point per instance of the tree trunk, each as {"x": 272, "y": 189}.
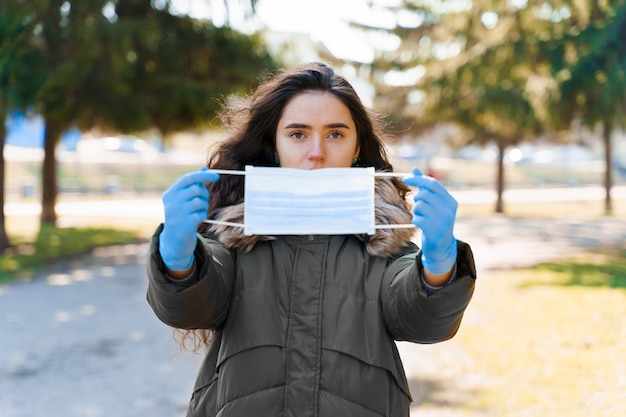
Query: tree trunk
{"x": 500, "y": 178}
{"x": 4, "y": 238}
{"x": 608, "y": 173}
{"x": 48, "y": 177}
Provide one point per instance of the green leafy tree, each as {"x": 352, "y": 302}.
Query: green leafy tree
{"x": 473, "y": 62}
{"x": 18, "y": 79}
{"x": 489, "y": 88}
{"x": 590, "y": 66}
{"x": 481, "y": 98}
{"x": 491, "y": 67}
{"x": 128, "y": 66}
{"x": 172, "y": 72}
{"x": 63, "y": 36}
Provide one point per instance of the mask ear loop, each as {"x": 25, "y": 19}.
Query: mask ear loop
{"x": 376, "y": 174}
{"x": 218, "y": 222}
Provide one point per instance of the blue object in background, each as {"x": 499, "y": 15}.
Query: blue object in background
{"x": 28, "y": 131}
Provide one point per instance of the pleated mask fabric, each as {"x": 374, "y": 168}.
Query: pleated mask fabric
{"x": 328, "y": 201}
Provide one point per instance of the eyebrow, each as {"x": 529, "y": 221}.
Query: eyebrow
{"x": 305, "y": 126}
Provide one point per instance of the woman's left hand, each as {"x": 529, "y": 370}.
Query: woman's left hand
{"x": 434, "y": 213}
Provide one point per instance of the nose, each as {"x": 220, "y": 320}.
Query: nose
{"x": 317, "y": 152}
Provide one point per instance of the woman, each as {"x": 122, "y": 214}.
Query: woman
{"x": 305, "y": 325}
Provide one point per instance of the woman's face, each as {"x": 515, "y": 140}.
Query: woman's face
{"x": 316, "y": 130}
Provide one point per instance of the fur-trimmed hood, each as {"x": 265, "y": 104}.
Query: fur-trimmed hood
{"x": 390, "y": 208}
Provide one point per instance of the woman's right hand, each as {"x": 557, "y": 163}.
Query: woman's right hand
{"x": 186, "y": 204}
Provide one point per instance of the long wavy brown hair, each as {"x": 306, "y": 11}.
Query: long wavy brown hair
{"x": 252, "y": 121}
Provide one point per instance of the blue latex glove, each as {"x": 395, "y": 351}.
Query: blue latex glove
{"x": 186, "y": 204}
{"x": 434, "y": 213}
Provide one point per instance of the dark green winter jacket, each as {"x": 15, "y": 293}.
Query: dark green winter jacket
{"x": 305, "y": 325}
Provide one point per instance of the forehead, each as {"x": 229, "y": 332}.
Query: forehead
{"x": 319, "y": 106}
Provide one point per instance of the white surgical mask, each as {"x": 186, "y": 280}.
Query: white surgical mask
{"x": 327, "y": 201}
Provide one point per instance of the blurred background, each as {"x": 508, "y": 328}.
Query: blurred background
{"x": 483, "y": 94}
{"x": 517, "y": 106}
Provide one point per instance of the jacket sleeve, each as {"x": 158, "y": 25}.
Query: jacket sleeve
{"x": 200, "y": 303}
{"x": 411, "y": 314}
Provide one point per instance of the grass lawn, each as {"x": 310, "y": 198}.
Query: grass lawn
{"x": 547, "y": 341}
{"x": 33, "y": 253}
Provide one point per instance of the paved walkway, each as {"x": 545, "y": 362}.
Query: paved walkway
{"x": 82, "y": 341}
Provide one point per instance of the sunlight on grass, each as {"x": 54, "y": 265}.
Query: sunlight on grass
{"x": 547, "y": 344}
{"x": 604, "y": 269}
{"x": 31, "y": 255}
